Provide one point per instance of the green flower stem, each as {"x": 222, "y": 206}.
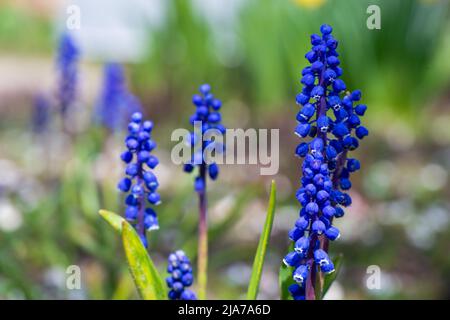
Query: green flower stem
{"x": 202, "y": 259}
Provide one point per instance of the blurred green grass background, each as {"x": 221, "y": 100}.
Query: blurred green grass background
{"x": 251, "y": 52}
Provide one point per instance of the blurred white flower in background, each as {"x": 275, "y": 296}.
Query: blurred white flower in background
{"x": 433, "y": 177}
{"x": 10, "y": 216}
{"x": 336, "y": 292}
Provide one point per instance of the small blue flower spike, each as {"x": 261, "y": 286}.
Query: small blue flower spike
{"x": 330, "y": 115}
{"x": 140, "y": 182}
{"x": 41, "y": 114}
{"x": 208, "y": 115}
{"x": 115, "y": 102}
{"x": 181, "y": 277}
{"x": 67, "y": 65}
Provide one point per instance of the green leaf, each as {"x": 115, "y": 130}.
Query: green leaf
{"x": 285, "y": 279}
{"x": 125, "y": 287}
{"x": 262, "y": 247}
{"x": 318, "y": 285}
{"x": 113, "y": 219}
{"x": 146, "y": 277}
{"x": 329, "y": 278}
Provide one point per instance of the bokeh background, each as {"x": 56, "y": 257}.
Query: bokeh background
{"x": 53, "y": 179}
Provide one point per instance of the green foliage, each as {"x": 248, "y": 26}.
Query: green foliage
{"x": 329, "y": 278}
{"x": 260, "y": 256}
{"x": 113, "y": 219}
{"x": 147, "y": 279}
{"x": 400, "y": 68}
{"x": 22, "y": 31}
{"x": 149, "y": 282}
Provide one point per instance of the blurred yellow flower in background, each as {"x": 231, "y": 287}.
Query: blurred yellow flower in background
{"x": 309, "y": 3}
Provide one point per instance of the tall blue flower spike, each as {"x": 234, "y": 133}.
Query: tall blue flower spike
{"x": 115, "y": 103}
{"x": 330, "y": 115}
{"x": 180, "y": 278}
{"x": 207, "y": 113}
{"x": 140, "y": 182}
{"x": 207, "y": 128}
{"x": 67, "y": 64}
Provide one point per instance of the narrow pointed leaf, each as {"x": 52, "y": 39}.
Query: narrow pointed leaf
{"x": 285, "y": 280}
{"x": 329, "y": 278}
{"x": 113, "y": 219}
{"x": 260, "y": 256}
{"x": 146, "y": 277}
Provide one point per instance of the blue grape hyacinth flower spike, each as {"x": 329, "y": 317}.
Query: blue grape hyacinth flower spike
{"x": 207, "y": 122}
{"x": 331, "y": 116}
{"x": 67, "y": 66}
{"x": 41, "y": 113}
{"x": 108, "y": 110}
{"x": 115, "y": 103}
{"x": 181, "y": 277}
{"x": 208, "y": 115}
{"x": 140, "y": 182}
